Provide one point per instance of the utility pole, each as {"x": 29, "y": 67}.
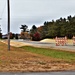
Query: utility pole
{"x": 8, "y": 7}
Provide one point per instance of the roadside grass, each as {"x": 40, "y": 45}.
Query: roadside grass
{"x": 24, "y": 60}
{"x": 16, "y": 52}
{"x": 65, "y": 55}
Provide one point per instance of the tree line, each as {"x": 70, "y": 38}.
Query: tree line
{"x": 61, "y": 27}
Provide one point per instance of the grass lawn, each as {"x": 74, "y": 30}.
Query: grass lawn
{"x": 24, "y": 60}
{"x": 65, "y": 55}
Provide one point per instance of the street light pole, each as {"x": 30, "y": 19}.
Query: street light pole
{"x": 8, "y": 7}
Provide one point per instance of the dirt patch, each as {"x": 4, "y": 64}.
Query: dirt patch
{"x": 69, "y": 41}
{"x": 16, "y": 44}
{"x": 48, "y": 40}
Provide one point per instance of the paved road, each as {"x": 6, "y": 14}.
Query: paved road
{"x": 42, "y": 73}
{"x": 48, "y": 45}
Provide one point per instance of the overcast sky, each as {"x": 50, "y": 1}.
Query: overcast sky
{"x": 34, "y": 12}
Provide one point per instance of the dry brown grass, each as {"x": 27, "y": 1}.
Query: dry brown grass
{"x": 22, "y": 61}
{"x": 15, "y": 43}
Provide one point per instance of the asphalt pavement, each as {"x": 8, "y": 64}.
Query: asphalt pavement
{"x": 41, "y": 73}
{"x": 48, "y": 45}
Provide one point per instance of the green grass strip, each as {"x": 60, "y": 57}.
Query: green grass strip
{"x": 70, "y": 56}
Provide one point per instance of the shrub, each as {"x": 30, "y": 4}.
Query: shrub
{"x": 36, "y": 36}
